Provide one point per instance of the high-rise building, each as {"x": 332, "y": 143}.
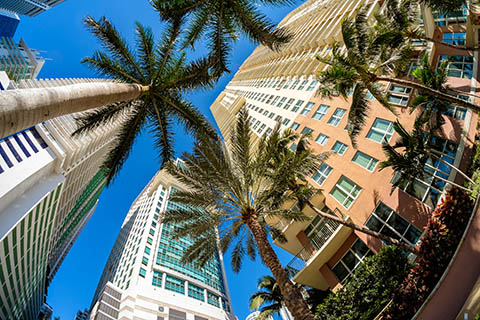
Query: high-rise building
{"x": 18, "y": 60}
{"x": 82, "y": 315}
{"x": 280, "y": 86}
{"x": 49, "y": 186}
{"x": 29, "y": 8}
{"x": 144, "y": 277}
{"x": 8, "y": 23}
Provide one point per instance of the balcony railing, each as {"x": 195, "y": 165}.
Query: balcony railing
{"x": 318, "y": 237}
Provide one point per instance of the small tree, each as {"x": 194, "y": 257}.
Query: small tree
{"x": 369, "y": 289}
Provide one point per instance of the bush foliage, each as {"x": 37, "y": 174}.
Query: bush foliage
{"x": 438, "y": 244}
{"x": 370, "y": 288}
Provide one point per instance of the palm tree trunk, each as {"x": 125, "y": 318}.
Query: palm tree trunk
{"x": 23, "y": 108}
{"x": 418, "y": 86}
{"x": 414, "y": 36}
{"x": 363, "y": 229}
{"x": 291, "y": 294}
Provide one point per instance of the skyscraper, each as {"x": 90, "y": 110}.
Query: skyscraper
{"x": 49, "y": 186}
{"x": 29, "y": 8}
{"x": 18, "y": 60}
{"x": 8, "y": 23}
{"x": 280, "y": 86}
{"x": 144, "y": 276}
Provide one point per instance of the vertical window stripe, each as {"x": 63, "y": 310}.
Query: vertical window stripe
{"x": 12, "y": 149}
{"x": 20, "y": 143}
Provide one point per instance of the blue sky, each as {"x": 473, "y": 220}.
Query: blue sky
{"x": 61, "y": 34}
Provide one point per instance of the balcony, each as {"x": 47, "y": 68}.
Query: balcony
{"x": 325, "y": 241}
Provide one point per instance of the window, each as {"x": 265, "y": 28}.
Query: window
{"x": 287, "y": 84}
{"x": 213, "y": 299}
{"x": 429, "y": 189}
{"x": 157, "y": 279}
{"x": 321, "y": 112}
{"x": 307, "y": 108}
{"x": 149, "y": 240}
{"x": 145, "y": 261}
{"x": 339, "y": 148}
{"x": 351, "y": 260}
{"x": 152, "y": 232}
{"x": 345, "y": 191}
{"x": 456, "y": 17}
{"x": 303, "y": 84}
{"x": 271, "y": 115}
{"x": 289, "y": 103}
{"x": 278, "y": 118}
{"x": 388, "y": 222}
{"x": 261, "y": 128}
{"x": 275, "y": 100}
{"x": 285, "y": 122}
{"x": 196, "y": 292}
{"x": 269, "y": 130}
{"x": 269, "y": 99}
{"x": 256, "y": 125}
{"x": 306, "y": 130}
{"x": 365, "y": 161}
{"x": 280, "y": 103}
{"x": 459, "y": 66}
{"x": 297, "y": 105}
{"x": 312, "y": 85}
{"x": 264, "y": 96}
{"x": 175, "y": 284}
{"x": 265, "y": 112}
{"x": 336, "y": 117}
{"x": 147, "y": 250}
{"x": 456, "y": 112}
{"x": 295, "y": 126}
{"x": 456, "y": 38}
{"x": 381, "y": 130}
{"x": 399, "y": 95}
{"x": 322, "y": 173}
{"x": 294, "y": 85}
{"x": 142, "y": 272}
{"x": 322, "y": 139}
{"x": 320, "y": 230}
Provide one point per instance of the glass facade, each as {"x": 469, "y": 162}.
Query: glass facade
{"x": 170, "y": 252}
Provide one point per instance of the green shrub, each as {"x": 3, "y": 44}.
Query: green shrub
{"x": 370, "y": 288}
{"x": 438, "y": 244}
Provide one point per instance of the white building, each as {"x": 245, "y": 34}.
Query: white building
{"x": 144, "y": 277}
{"x": 49, "y": 187}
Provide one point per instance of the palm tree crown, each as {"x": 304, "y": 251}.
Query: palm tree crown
{"x": 221, "y": 21}
{"x": 268, "y": 299}
{"x": 166, "y": 73}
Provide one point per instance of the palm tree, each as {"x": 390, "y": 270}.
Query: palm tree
{"x": 221, "y": 21}
{"x": 398, "y": 22}
{"x": 148, "y": 92}
{"x": 446, "y": 6}
{"x": 366, "y": 62}
{"x": 416, "y": 160}
{"x": 269, "y": 292}
{"x": 233, "y": 192}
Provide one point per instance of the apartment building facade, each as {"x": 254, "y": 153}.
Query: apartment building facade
{"x": 18, "y": 60}
{"x": 280, "y": 86}
{"x": 144, "y": 277}
{"x": 49, "y": 187}
{"x": 29, "y": 8}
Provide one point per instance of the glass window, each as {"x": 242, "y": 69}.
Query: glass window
{"x": 351, "y": 260}
{"x": 295, "y": 126}
{"x": 339, "y": 148}
{"x": 270, "y": 98}
{"x": 388, "y": 222}
{"x": 275, "y": 100}
{"x": 307, "y": 130}
{"x": 280, "y": 103}
{"x": 303, "y": 84}
{"x": 196, "y": 292}
{"x": 345, "y": 191}
{"x": 365, "y": 161}
{"x": 312, "y": 85}
{"x": 459, "y": 66}
{"x": 307, "y": 108}
{"x": 321, "y": 112}
{"x": 399, "y": 95}
{"x": 457, "y": 17}
{"x": 456, "y": 38}
{"x": 289, "y": 103}
{"x": 297, "y": 106}
{"x": 285, "y": 122}
{"x": 142, "y": 272}
{"x": 145, "y": 261}
{"x": 147, "y": 250}
{"x": 213, "y": 299}
{"x": 322, "y": 139}
{"x": 336, "y": 117}
{"x": 381, "y": 130}
{"x": 294, "y": 85}
{"x": 175, "y": 284}
{"x": 287, "y": 84}
{"x": 261, "y": 128}
{"x": 322, "y": 173}
{"x": 456, "y": 112}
